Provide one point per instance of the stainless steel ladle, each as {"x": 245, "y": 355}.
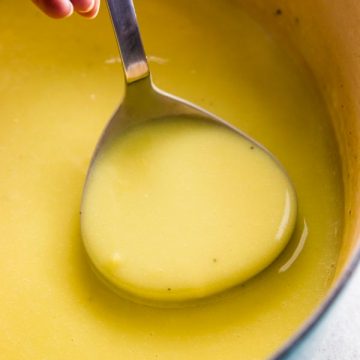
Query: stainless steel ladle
{"x": 143, "y": 101}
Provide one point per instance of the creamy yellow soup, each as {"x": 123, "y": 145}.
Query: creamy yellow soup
{"x": 59, "y": 83}
{"x": 181, "y": 208}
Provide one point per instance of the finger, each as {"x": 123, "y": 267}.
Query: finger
{"x": 93, "y": 12}
{"x": 55, "y": 8}
{"x": 83, "y": 6}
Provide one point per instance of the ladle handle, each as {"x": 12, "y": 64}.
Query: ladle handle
{"x": 127, "y": 32}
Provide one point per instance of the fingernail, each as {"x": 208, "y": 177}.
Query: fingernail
{"x": 89, "y": 8}
{"x": 70, "y": 8}
{"x": 93, "y": 12}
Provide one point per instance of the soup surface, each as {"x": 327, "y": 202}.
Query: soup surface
{"x": 59, "y": 83}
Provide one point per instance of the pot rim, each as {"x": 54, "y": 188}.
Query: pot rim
{"x": 319, "y": 314}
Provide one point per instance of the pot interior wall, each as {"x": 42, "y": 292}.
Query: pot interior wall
{"x": 327, "y": 37}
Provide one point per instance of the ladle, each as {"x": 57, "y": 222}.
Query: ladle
{"x": 170, "y": 283}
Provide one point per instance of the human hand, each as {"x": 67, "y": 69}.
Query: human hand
{"x": 63, "y": 8}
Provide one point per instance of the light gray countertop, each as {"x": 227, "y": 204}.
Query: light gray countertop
{"x": 341, "y": 338}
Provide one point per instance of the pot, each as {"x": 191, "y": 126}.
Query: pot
{"x": 327, "y": 36}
